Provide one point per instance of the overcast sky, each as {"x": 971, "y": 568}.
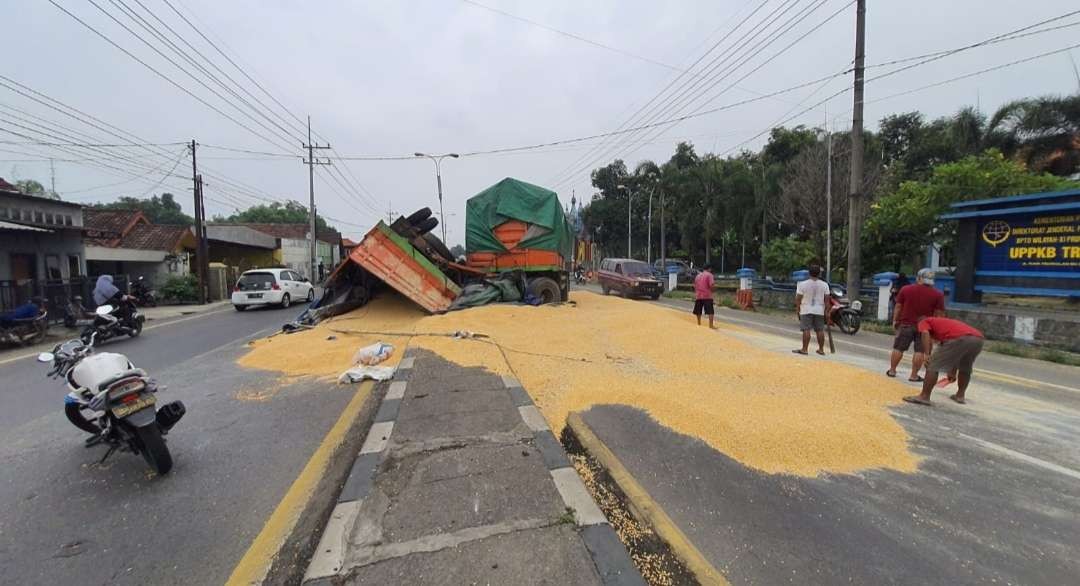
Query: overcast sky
{"x": 393, "y": 77}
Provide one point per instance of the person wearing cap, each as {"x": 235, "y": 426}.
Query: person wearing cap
{"x": 914, "y": 302}
{"x": 959, "y": 345}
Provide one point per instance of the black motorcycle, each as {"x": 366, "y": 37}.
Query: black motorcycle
{"x": 114, "y": 402}
{"x": 110, "y": 321}
{"x": 143, "y": 294}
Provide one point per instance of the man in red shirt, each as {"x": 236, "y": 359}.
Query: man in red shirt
{"x": 913, "y": 303}
{"x": 703, "y": 295}
{"x": 959, "y": 345}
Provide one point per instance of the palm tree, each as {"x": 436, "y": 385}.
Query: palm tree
{"x": 1043, "y": 132}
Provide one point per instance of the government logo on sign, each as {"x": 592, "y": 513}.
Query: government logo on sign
{"x": 996, "y": 232}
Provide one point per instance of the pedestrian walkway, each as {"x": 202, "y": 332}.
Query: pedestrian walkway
{"x": 460, "y": 481}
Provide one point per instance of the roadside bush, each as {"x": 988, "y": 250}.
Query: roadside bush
{"x": 180, "y": 289}
{"x": 783, "y": 255}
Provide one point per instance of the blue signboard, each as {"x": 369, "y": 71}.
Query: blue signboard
{"x": 1030, "y": 243}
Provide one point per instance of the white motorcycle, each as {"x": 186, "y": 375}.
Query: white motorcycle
{"x": 114, "y": 401}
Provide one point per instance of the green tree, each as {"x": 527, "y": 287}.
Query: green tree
{"x": 290, "y": 212}
{"x": 783, "y": 255}
{"x": 1043, "y": 132}
{"x": 159, "y": 209}
{"x": 904, "y": 222}
{"x": 31, "y": 187}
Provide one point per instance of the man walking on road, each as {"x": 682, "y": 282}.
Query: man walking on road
{"x": 811, "y": 298}
{"x": 914, "y": 302}
{"x": 703, "y": 295}
{"x": 960, "y": 345}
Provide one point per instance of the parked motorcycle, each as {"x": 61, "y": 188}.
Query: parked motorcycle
{"x": 75, "y": 315}
{"x": 114, "y": 402}
{"x": 579, "y": 276}
{"x": 845, "y": 314}
{"x": 143, "y": 294}
{"x": 111, "y": 321}
{"x": 25, "y": 331}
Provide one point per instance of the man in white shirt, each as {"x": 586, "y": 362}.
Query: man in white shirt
{"x": 811, "y": 299}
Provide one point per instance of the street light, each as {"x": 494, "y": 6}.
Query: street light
{"x": 438, "y": 179}
{"x": 629, "y": 201}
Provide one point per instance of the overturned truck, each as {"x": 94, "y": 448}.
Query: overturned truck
{"x": 517, "y": 242}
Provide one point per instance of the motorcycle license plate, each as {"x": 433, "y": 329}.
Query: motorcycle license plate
{"x": 254, "y": 295}
{"x": 125, "y": 409}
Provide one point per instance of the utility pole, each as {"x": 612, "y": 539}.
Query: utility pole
{"x": 200, "y": 252}
{"x": 52, "y": 176}
{"x": 311, "y": 162}
{"x": 854, "y": 260}
{"x": 828, "y": 199}
{"x": 764, "y": 217}
{"x": 389, "y": 212}
{"x": 663, "y": 240}
{"x": 648, "y": 253}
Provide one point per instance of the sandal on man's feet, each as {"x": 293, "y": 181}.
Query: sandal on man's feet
{"x": 917, "y": 400}
{"x": 890, "y": 373}
{"x": 958, "y": 399}
{"x": 803, "y": 352}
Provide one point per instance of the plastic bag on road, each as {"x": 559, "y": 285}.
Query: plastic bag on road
{"x": 359, "y": 373}
{"x": 373, "y": 354}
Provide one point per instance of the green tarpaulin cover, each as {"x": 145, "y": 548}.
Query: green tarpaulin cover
{"x": 511, "y": 199}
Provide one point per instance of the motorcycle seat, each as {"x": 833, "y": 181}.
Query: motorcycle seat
{"x": 134, "y": 372}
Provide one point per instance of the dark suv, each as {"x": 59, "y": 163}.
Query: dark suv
{"x": 629, "y": 278}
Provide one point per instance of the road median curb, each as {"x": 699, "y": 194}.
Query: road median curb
{"x": 642, "y": 505}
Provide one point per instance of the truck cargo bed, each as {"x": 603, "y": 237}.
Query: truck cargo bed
{"x": 395, "y": 261}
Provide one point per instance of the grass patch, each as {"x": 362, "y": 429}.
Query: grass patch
{"x": 1033, "y": 352}
{"x": 679, "y": 294}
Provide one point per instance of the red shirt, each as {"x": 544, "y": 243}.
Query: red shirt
{"x": 703, "y": 284}
{"x": 944, "y": 329}
{"x": 918, "y": 301}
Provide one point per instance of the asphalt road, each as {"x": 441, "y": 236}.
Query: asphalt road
{"x": 995, "y": 499}
{"x": 68, "y": 519}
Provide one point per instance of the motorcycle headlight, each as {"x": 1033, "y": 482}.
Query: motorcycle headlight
{"x": 856, "y": 305}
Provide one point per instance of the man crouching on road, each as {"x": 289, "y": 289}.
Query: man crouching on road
{"x": 914, "y": 302}
{"x": 960, "y": 344}
{"x": 811, "y": 299}
{"x": 703, "y": 295}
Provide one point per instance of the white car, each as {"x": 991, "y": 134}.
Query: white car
{"x": 271, "y": 287}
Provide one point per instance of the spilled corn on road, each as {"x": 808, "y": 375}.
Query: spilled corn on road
{"x": 777, "y": 468}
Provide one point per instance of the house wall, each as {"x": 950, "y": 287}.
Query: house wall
{"x": 62, "y": 242}
{"x": 294, "y": 254}
{"x": 242, "y": 257}
{"x": 39, "y": 211}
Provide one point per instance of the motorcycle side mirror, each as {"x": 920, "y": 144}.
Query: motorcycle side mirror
{"x": 45, "y": 357}
{"x": 104, "y": 309}
{"x": 838, "y": 292}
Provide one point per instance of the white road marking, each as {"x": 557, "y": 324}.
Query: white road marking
{"x": 577, "y": 497}
{"x": 1024, "y": 457}
{"x": 329, "y": 556}
{"x": 406, "y": 363}
{"x": 397, "y": 390}
{"x": 533, "y": 418}
{"x": 377, "y": 438}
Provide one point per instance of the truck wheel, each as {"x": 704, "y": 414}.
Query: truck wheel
{"x": 426, "y": 226}
{"x": 605, "y": 289}
{"x": 545, "y": 289}
{"x": 418, "y": 216}
{"x": 438, "y": 246}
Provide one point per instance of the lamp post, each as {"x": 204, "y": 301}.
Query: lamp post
{"x": 629, "y": 202}
{"x": 648, "y": 247}
{"x": 438, "y": 180}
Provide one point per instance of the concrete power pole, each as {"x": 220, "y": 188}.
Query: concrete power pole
{"x": 855, "y": 195}
{"x": 313, "y": 261}
{"x": 200, "y": 251}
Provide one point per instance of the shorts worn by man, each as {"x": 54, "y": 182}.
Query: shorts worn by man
{"x": 703, "y": 295}
{"x": 914, "y": 302}
{"x": 959, "y": 345}
{"x": 810, "y": 303}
